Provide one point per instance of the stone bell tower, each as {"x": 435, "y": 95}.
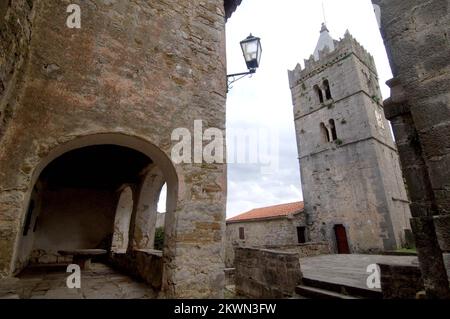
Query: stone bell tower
{"x": 352, "y": 183}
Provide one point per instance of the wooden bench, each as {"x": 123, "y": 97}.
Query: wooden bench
{"x": 82, "y": 257}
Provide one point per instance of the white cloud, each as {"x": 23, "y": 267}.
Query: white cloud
{"x": 162, "y": 200}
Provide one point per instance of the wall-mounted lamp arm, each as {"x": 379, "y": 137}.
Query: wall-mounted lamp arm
{"x": 231, "y": 78}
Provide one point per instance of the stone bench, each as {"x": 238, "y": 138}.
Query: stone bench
{"x": 82, "y": 257}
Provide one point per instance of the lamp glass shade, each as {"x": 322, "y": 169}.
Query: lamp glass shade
{"x": 251, "y": 48}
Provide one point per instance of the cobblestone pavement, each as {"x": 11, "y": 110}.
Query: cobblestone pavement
{"x": 101, "y": 282}
{"x": 349, "y": 270}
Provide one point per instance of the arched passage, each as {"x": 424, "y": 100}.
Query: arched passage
{"x": 191, "y": 264}
{"x": 80, "y": 206}
{"x": 129, "y": 155}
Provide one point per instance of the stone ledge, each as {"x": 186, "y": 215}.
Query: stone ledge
{"x": 393, "y": 110}
{"x": 400, "y": 281}
{"x": 146, "y": 265}
{"x": 304, "y": 250}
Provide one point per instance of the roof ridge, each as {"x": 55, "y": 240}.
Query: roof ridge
{"x": 278, "y": 210}
{"x": 276, "y": 205}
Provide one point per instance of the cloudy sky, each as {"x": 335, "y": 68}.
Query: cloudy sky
{"x": 262, "y": 104}
{"x": 289, "y": 30}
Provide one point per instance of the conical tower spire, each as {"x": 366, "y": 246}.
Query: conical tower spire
{"x": 325, "y": 41}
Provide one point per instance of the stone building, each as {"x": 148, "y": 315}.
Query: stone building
{"x": 352, "y": 183}
{"x": 280, "y": 227}
{"x": 86, "y": 117}
{"x": 261, "y": 227}
{"x": 416, "y": 35}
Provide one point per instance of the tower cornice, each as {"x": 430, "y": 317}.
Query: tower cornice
{"x": 344, "y": 48}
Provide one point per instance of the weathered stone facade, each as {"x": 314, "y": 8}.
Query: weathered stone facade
{"x": 417, "y": 41}
{"x": 133, "y": 73}
{"x": 261, "y": 233}
{"x": 350, "y": 171}
{"x": 15, "y": 24}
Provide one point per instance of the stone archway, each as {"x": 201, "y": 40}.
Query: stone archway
{"x": 192, "y": 258}
{"x": 159, "y": 161}
{"x": 81, "y": 205}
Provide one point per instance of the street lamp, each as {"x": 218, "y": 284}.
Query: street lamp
{"x": 251, "y": 48}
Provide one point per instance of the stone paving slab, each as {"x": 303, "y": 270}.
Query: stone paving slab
{"x": 348, "y": 270}
{"x": 101, "y": 282}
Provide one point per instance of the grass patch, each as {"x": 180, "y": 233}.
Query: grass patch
{"x": 407, "y": 250}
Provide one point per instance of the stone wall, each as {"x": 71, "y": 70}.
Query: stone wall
{"x": 416, "y": 37}
{"x": 15, "y": 36}
{"x": 260, "y": 233}
{"x": 63, "y": 225}
{"x": 400, "y": 282}
{"x": 143, "y": 265}
{"x": 266, "y": 273}
{"x": 134, "y": 72}
{"x": 304, "y": 250}
{"x": 229, "y": 276}
{"x": 355, "y": 180}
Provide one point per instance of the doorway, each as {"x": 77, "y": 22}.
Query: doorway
{"x": 301, "y": 235}
{"x": 341, "y": 239}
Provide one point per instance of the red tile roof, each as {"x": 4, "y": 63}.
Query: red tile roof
{"x": 270, "y": 212}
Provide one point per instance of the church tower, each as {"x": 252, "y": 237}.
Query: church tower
{"x": 352, "y": 183}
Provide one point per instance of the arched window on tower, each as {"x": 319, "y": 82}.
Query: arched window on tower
{"x": 326, "y": 86}
{"x": 318, "y": 93}
{"x": 334, "y": 136}
{"x": 324, "y": 133}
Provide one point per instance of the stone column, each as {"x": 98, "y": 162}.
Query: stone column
{"x": 415, "y": 34}
{"x": 423, "y": 208}
{"x": 194, "y": 234}
{"x": 144, "y": 222}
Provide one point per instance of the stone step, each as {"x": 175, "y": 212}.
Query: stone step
{"x": 343, "y": 289}
{"x": 10, "y": 296}
{"x": 316, "y": 293}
